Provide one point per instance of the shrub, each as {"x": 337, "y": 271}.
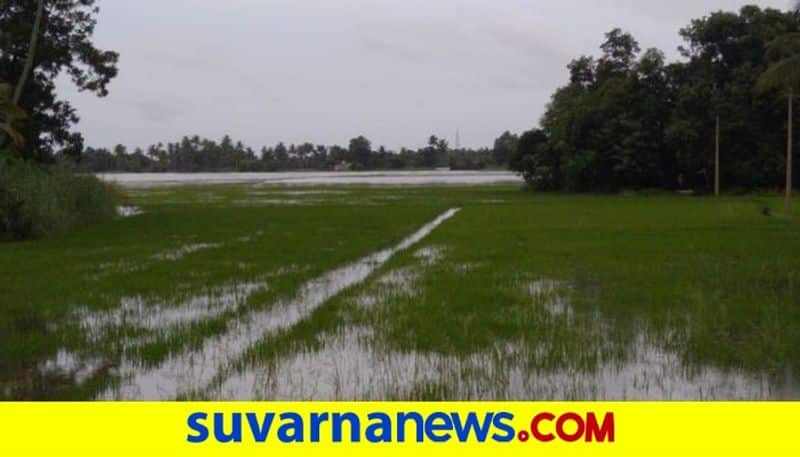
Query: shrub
{"x": 38, "y": 201}
{"x": 472, "y": 160}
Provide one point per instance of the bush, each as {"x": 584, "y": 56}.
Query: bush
{"x": 38, "y": 201}
{"x": 472, "y": 160}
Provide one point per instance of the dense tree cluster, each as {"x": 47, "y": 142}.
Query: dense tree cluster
{"x": 195, "y": 154}
{"x": 629, "y": 119}
{"x": 40, "y": 41}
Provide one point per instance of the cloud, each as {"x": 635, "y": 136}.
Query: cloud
{"x": 324, "y": 71}
{"x": 395, "y": 50}
{"x": 155, "y": 110}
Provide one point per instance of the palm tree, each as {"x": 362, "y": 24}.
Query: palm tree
{"x": 29, "y": 59}
{"x": 784, "y": 75}
{"x": 10, "y": 113}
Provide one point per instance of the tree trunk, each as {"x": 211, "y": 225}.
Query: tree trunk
{"x": 716, "y": 161}
{"x": 23, "y": 78}
{"x": 789, "y": 145}
{"x": 28, "y": 68}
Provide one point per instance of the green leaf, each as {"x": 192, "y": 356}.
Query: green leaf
{"x": 781, "y": 75}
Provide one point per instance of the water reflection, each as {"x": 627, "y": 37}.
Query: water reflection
{"x": 189, "y": 372}
{"x": 433, "y": 177}
{"x": 351, "y": 365}
{"x": 354, "y": 363}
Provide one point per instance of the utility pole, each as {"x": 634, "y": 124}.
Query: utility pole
{"x": 716, "y": 161}
{"x": 458, "y": 140}
{"x": 789, "y": 146}
{"x": 716, "y": 139}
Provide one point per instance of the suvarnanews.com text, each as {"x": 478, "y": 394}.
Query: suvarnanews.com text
{"x": 401, "y": 427}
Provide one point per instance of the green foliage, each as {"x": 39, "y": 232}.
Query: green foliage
{"x": 435, "y": 154}
{"x": 64, "y": 47}
{"x": 195, "y": 154}
{"x": 535, "y": 159}
{"x": 10, "y": 115}
{"x": 37, "y": 201}
{"x": 629, "y": 120}
{"x": 505, "y": 147}
{"x": 360, "y": 150}
{"x": 462, "y": 159}
{"x": 784, "y": 74}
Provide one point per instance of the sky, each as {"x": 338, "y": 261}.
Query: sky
{"x": 325, "y": 71}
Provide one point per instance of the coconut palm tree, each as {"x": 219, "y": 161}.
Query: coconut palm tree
{"x": 29, "y": 59}
{"x": 784, "y": 75}
{"x": 10, "y": 113}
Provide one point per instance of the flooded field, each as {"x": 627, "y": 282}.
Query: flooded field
{"x": 318, "y": 178}
{"x": 188, "y": 372}
{"x": 249, "y": 291}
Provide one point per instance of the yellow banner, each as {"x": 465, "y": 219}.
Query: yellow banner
{"x": 401, "y": 429}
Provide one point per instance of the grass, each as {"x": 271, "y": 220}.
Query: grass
{"x": 38, "y": 201}
{"x": 94, "y": 269}
{"x": 713, "y": 281}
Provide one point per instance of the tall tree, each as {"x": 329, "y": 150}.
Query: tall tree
{"x": 360, "y": 151}
{"x": 30, "y": 58}
{"x": 505, "y": 147}
{"x": 61, "y": 32}
{"x": 726, "y": 55}
{"x": 435, "y": 154}
{"x": 784, "y": 75}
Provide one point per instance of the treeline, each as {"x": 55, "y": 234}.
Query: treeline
{"x": 629, "y": 119}
{"x": 195, "y": 154}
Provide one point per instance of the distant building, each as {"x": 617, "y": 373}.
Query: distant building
{"x": 342, "y": 166}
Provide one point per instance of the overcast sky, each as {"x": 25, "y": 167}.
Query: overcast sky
{"x": 325, "y": 71}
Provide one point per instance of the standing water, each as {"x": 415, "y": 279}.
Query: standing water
{"x": 193, "y": 371}
{"x": 388, "y": 178}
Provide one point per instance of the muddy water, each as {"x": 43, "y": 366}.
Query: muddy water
{"x": 434, "y": 177}
{"x": 194, "y": 371}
